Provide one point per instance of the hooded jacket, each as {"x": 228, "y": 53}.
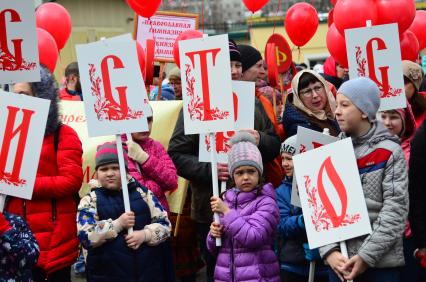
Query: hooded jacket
{"x": 248, "y": 234}
{"x": 158, "y": 173}
{"x": 296, "y": 114}
{"x": 183, "y": 149}
{"x": 51, "y": 211}
{"x": 383, "y": 172}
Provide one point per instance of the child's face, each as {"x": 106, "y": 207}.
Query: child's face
{"x": 392, "y": 120}
{"x": 287, "y": 163}
{"x": 139, "y": 136}
{"x": 109, "y": 176}
{"x": 246, "y": 178}
{"x": 348, "y": 116}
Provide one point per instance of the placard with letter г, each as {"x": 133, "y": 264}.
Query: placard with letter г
{"x": 244, "y": 97}
{"x": 206, "y": 85}
{"x": 22, "y": 125}
{"x": 375, "y": 52}
{"x": 331, "y": 194}
{"x": 307, "y": 140}
{"x": 19, "y": 59}
{"x": 115, "y": 97}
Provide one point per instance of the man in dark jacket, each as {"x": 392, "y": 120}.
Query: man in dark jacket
{"x": 417, "y": 192}
{"x": 183, "y": 150}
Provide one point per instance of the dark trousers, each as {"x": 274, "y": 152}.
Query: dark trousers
{"x": 202, "y": 232}
{"x": 391, "y": 274}
{"x": 61, "y": 275}
{"x": 287, "y": 276}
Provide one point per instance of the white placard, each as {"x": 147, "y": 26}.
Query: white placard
{"x": 331, "y": 194}
{"x": 206, "y": 85}
{"x": 375, "y": 52}
{"x": 22, "y": 125}
{"x": 244, "y": 97}
{"x": 164, "y": 29}
{"x": 19, "y": 61}
{"x": 308, "y": 139}
{"x": 115, "y": 97}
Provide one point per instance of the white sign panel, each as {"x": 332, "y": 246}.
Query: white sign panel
{"x": 374, "y": 52}
{"x": 164, "y": 29}
{"x": 206, "y": 85}
{"x": 22, "y": 125}
{"x": 19, "y": 60}
{"x": 115, "y": 97}
{"x": 331, "y": 194}
{"x": 308, "y": 139}
{"x": 244, "y": 97}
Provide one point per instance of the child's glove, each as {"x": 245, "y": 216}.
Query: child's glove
{"x": 311, "y": 255}
{"x": 4, "y": 224}
{"x": 136, "y": 152}
{"x": 301, "y": 222}
{"x": 137, "y": 238}
{"x": 421, "y": 256}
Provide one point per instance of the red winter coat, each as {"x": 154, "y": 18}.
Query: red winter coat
{"x": 51, "y": 214}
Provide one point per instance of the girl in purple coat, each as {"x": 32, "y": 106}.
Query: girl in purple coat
{"x": 249, "y": 219}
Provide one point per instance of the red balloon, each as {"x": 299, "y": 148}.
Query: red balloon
{"x": 55, "y": 19}
{"x": 301, "y": 23}
{"x": 141, "y": 57}
{"x": 396, "y": 11}
{"x": 255, "y": 5}
{"x": 333, "y": 2}
{"x": 336, "y": 45}
{"x": 418, "y": 27}
{"x": 330, "y": 19}
{"x": 144, "y": 8}
{"x": 409, "y": 46}
{"x": 352, "y": 14}
{"x": 189, "y": 34}
{"x": 47, "y": 49}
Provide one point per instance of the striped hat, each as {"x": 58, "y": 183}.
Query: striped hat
{"x": 234, "y": 52}
{"x": 244, "y": 152}
{"x": 106, "y": 154}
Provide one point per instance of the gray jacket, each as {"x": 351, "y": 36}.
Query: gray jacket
{"x": 384, "y": 178}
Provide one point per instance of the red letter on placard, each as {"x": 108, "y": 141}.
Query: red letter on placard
{"x": 384, "y": 84}
{"x": 336, "y": 220}
{"x": 9, "y": 61}
{"x": 222, "y": 138}
{"x": 204, "y": 76}
{"x": 116, "y": 111}
{"x": 9, "y": 134}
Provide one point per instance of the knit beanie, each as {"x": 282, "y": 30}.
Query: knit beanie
{"x": 289, "y": 145}
{"x": 244, "y": 152}
{"x": 413, "y": 72}
{"x": 249, "y": 56}
{"x": 234, "y": 53}
{"x": 106, "y": 154}
{"x": 364, "y": 94}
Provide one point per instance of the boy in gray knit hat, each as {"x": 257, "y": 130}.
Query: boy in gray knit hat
{"x": 383, "y": 171}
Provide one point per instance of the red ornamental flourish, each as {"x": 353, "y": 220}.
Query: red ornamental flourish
{"x": 8, "y": 63}
{"x": 195, "y": 105}
{"x": 226, "y": 146}
{"x": 319, "y": 217}
{"x": 7, "y": 178}
{"x": 104, "y": 108}
{"x": 361, "y": 69}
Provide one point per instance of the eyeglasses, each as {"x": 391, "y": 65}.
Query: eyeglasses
{"x": 308, "y": 91}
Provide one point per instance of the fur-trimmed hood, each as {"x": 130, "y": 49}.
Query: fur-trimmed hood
{"x": 47, "y": 88}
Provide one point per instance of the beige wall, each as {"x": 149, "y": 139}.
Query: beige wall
{"x": 93, "y": 19}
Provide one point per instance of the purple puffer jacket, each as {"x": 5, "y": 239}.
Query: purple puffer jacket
{"x": 249, "y": 230}
{"x": 158, "y": 173}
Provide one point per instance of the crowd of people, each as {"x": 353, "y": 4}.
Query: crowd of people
{"x": 263, "y": 235}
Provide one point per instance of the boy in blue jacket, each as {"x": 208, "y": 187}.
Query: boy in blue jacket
{"x": 294, "y": 253}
